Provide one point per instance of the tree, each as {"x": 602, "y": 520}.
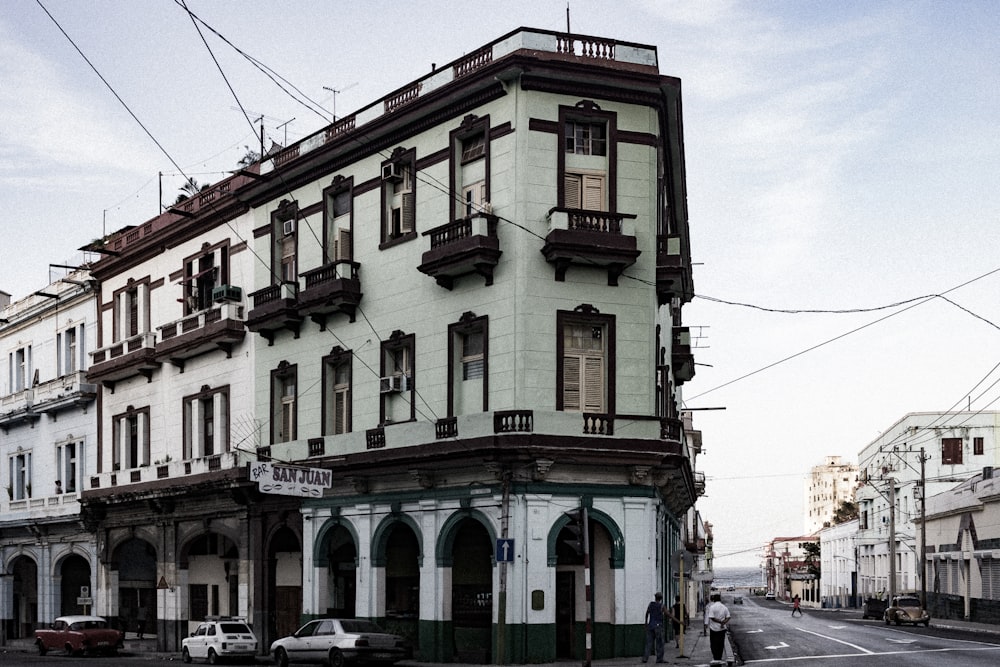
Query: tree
{"x": 846, "y": 512}
{"x": 189, "y": 188}
{"x": 812, "y": 559}
{"x": 248, "y": 158}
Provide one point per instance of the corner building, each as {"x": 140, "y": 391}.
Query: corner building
{"x": 468, "y": 308}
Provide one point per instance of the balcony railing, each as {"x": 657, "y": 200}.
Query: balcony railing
{"x": 64, "y": 392}
{"x": 133, "y": 356}
{"x": 219, "y": 327}
{"x": 604, "y": 239}
{"x": 513, "y": 421}
{"x": 275, "y": 307}
{"x": 598, "y": 424}
{"x": 463, "y": 246}
{"x": 331, "y": 288}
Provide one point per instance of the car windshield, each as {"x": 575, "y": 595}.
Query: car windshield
{"x": 234, "y": 628}
{"x": 909, "y": 602}
{"x": 360, "y": 626}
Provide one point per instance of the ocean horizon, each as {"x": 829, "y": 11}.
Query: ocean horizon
{"x": 739, "y": 577}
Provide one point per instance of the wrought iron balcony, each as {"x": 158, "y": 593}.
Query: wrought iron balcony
{"x": 332, "y": 288}
{"x": 681, "y": 357}
{"x": 274, "y": 308}
{"x": 464, "y": 246}
{"x": 218, "y": 328}
{"x": 590, "y": 238}
{"x": 124, "y": 359}
{"x": 673, "y": 271}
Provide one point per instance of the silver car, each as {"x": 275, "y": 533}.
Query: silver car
{"x": 338, "y": 642}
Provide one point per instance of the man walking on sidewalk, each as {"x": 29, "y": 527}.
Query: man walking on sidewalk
{"x": 718, "y": 617}
{"x": 654, "y": 628}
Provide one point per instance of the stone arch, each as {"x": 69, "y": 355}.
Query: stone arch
{"x": 321, "y": 547}
{"x": 446, "y": 537}
{"x": 599, "y": 517}
{"x": 380, "y": 539}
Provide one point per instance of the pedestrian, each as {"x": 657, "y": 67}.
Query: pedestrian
{"x": 676, "y": 623}
{"x": 654, "y": 628}
{"x": 795, "y": 606}
{"x": 718, "y": 617}
{"x": 140, "y": 621}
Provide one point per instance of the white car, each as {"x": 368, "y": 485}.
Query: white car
{"x": 220, "y": 638}
{"x": 337, "y": 642}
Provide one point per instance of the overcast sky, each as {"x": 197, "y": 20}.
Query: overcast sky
{"x": 840, "y": 157}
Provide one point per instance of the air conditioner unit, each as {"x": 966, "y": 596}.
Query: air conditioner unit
{"x": 393, "y": 384}
{"x": 392, "y": 171}
{"x": 288, "y": 227}
{"x": 226, "y": 293}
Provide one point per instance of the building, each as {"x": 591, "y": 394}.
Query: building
{"x": 48, "y": 445}
{"x": 788, "y": 572}
{"x": 469, "y": 310}
{"x": 963, "y": 549}
{"x": 933, "y": 450}
{"x": 838, "y": 565}
{"x": 828, "y": 486}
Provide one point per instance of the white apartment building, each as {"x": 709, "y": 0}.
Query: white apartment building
{"x": 955, "y": 446}
{"x": 838, "y": 565}
{"x": 48, "y": 449}
{"x": 828, "y": 486}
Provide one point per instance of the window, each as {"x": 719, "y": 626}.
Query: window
{"x": 202, "y": 274}
{"x": 473, "y": 147}
{"x": 20, "y": 369}
{"x": 19, "y": 481}
{"x": 585, "y": 138}
{"x": 339, "y": 200}
{"x": 337, "y": 392}
{"x": 474, "y": 196}
{"x": 283, "y": 403}
{"x": 284, "y": 234}
{"x": 399, "y": 197}
{"x": 977, "y": 446}
{"x": 584, "y": 191}
{"x": 68, "y": 350}
{"x": 131, "y": 439}
{"x": 585, "y": 361}
{"x": 68, "y": 472}
{"x": 397, "y": 378}
{"x": 468, "y": 348}
{"x": 206, "y": 423}
{"x": 951, "y": 451}
{"x": 469, "y": 166}
{"x": 131, "y": 311}
{"x": 204, "y": 603}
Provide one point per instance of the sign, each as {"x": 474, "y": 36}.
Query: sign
{"x": 285, "y": 480}
{"x": 85, "y": 591}
{"x": 703, "y": 575}
{"x": 85, "y": 602}
{"x": 505, "y": 550}
{"x": 162, "y": 584}
{"x": 677, "y": 557}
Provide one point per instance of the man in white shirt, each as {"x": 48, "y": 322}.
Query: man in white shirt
{"x": 717, "y": 617}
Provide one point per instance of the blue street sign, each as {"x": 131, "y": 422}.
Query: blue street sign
{"x": 505, "y": 551}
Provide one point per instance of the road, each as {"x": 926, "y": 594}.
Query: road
{"x": 765, "y": 632}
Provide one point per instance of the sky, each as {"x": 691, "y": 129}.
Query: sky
{"x": 841, "y": 158}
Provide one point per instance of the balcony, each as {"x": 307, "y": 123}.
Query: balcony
{"x": 673, "y": 271}
{"x": 332, "y": 288}
{"x": 590, "y": 238}
{"x": 124, "y": 359}
{"x": 681, "y": 357}
{"x": 218, "y": 328}
{"x": 64, "y": 393}
{"x": 699, "y": 483}
{"x": 275, "y": 308}
{"x": 18, "y": 408}
{"x": 464, "y": 246}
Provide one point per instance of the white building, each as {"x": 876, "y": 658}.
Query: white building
{"x": 838, "y": 569}
{"x": 828, "y": 486}
{"x": 48, "y": 449}
{"x": 955, "y": 446}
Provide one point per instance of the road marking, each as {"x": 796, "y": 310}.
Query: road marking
{"x": 834, "y": 639}
{"x": 837, "y": 627}
{"x": 901, "y": 641}
{"x": 753, "y": 632}
{"x": 781, "y": 645}
{"x": 879, "y": 653}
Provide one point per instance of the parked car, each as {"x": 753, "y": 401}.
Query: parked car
{"x": 220, "y": 638}
{"x": 873, "y": 608}
{"x": 79, "y": 635}
{"x": 337, "y": 642}
{"x": 906, "y": 609}
{"x": 770, "y": 596}
{"x": 737, "y": 599}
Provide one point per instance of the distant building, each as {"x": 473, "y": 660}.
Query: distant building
{"x": 48, "y": 448}
{"x": 956, "y": 446}
{"x": 963, "y": 550}
{"x": 828, "y": 486}
{"x": 787, "y": 570}
{"x": 838, "y": 565}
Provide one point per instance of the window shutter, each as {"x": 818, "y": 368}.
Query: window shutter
{"x": 571, "y": 191}
{"x": 571, "y": 383}
{"x": 593, "y": 193}
{"x": 287, "y": 421}
{"x": 406, "y": 222}
{"x": 593, "y": 384}
{"x": 342, "y": 246}
{"x": 340, "y": 411}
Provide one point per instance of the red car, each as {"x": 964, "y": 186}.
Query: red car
{"x": 79, "y": 635}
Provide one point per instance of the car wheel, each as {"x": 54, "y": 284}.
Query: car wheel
{"x": 927, "y": 623}
{"x": 887, "y": 621}
{"x": 281, "y": 658}
{"x": 185, "y": 655}
{"x": 336, "y": 658}
{"x": 898, "y": 622}
{"x": 213, "y": 658}
{"x": 41, "y": 647}
{"x": 68, "y": 649}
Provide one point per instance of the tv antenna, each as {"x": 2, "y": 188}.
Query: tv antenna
{"x": 337, "y": 91}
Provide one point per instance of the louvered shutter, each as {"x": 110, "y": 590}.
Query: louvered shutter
{"x": 571, "y": 191}
{"x": 409, "y": 213}
{"x": 571, "y": 383}
{"x": 340, "y": 411}
{"x": 593, "y": 384}
{"x": 593, "y": 193}
{"x": 342, "y": 246}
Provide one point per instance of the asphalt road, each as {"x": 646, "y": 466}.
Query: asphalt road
{"x": 765, "y": 632}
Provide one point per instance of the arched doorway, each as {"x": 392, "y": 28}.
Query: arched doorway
{"x": 285, "y": 577}
{"x": 342, "y": 573}
{"x": 74, "y": 573}
{"x": 136, "y": 560}
{"x": 472, "y": 592}
{"x": 402, "y": 582}
{"x": 25, "y": 597}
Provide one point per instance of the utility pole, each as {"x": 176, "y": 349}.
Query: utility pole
{"x": 892, "y": 539}
{"x": 923, "y": 529}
